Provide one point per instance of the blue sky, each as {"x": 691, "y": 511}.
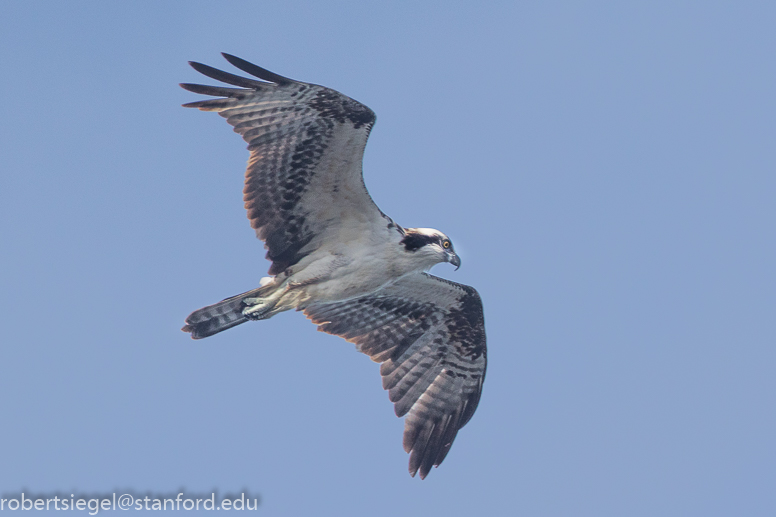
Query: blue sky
{"x": 605, "y": 170}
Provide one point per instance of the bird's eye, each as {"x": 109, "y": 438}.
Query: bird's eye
{"x": 446, "y": 244}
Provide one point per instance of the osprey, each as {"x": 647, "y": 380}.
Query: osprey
{"x": 352, "y": 270}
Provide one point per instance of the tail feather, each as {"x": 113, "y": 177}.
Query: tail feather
{"x": 220, "y": 316}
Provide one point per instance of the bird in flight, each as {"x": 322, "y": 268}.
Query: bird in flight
{"x": 352, "y": 270}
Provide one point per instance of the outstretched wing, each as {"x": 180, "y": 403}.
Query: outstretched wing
{"x": 304, "y": 183}
{"x": 429, "y": 333}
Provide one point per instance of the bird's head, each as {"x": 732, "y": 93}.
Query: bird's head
{"x": 430, "y": 247}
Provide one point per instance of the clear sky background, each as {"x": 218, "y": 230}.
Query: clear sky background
{"x": 606, "y": 170}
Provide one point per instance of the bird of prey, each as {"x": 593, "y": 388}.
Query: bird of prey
{"x": 352, "y": 270}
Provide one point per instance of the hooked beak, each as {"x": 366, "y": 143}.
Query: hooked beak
{"x": 456, "y": 261}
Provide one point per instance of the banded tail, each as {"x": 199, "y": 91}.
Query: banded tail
{"x": 220, "y": 316}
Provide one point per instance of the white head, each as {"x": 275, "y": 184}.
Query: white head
{"x": 429, "y": 247}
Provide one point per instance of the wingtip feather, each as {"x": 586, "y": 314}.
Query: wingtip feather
{"x": 256, "y": 70}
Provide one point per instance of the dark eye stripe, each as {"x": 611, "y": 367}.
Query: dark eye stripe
{"x": 413, "y": 241}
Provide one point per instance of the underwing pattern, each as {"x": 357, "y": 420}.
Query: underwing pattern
{"x": 429, "y": 335}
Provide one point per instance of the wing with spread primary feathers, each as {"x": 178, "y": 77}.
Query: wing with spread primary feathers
{"x": 304, "y": 182}
{"x": 429, "y": 335}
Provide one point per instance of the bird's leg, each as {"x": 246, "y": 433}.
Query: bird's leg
{"x": 261, "y": 307}
{"x": 288, "y": 294}
{"x": 256, "y": 308}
